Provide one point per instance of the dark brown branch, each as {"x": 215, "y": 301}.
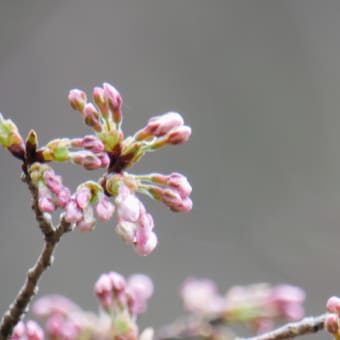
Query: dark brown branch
{"x": 52, "y": 236}
{"x": 291, "y": 330}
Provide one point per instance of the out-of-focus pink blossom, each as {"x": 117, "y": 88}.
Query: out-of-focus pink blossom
{"x": 288, "y": 301}
{"x": 53, "y": 304}
{"x": 201, "y": 296}
{"x": 59, "y": 327}
{"x": 34, "y": 331}
{"x": 332, "y": 324}
{"x": 333, "y": 305}
{"x": 141, "y": 289}
{"x": 18, "y": 331}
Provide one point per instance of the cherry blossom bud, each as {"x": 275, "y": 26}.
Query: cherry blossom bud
{"x": 201, "y": 296}
{"x": 83, "y": 196}
{"x": 18, "y": 331}
{"x": 333, "y": 305}
{"x": 332, "y": 324}
{"x": 126, "y": 230}
{"x": 46, "y": 204}
{"x": 118, "y": 281}
{"x": 88, "y": 160}
{"x": 141, "y": 288}
{"x": 146, "y": 243}
{"x": 128, "y": 208}
{"x": 87, "y": 223}
{"x": 54, "y": 304}
{"x": 63, "y": 197}
{"x": 114, "y": 101}
{"x": 91, "y": 117}
{"x": 160, "y": 125}
{"x": 53, "y": 182}
{"x": 34, "y": 331}
{"x": 103, "y": 290}
{"x": 73, "y": 213}
{"x": 77, "y": 99}
{"x": 180, "y": 183}
{"x": 179, "y": 135}
{"x": 104, "y": 209}
{"x": 98, "y": 98}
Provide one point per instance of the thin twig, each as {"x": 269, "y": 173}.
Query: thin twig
{"x": 52, "y": 236}
{"x": 305, "y": 326}
{"x": 187, "y": 328}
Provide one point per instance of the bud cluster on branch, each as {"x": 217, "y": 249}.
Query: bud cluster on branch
{"x": 210, "y": 314}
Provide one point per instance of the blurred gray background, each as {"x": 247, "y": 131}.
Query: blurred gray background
{"x": 258, "y": 81}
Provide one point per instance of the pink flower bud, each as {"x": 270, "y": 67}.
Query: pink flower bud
{"x": 18, "y": 331}
{"x": 104, "y": 209}
{"x": 126, "y": 230}
{"x": 92, "y": 143}
{"x": 87, "y": 223}
{"x": 73, "y": 213}
{"x": 63, "y": 197}
{"x": 53, "y": 182}
{"x": 88, "y": 160}
{"x": 104, "y": 159}
{"x": 160, "y": 125}
{"x": 34, "y": 331}
{"x": 112, "y": 96}
{"x": 53, "y": 304}
{"x": 77, "y": 99}
{"x": 118, "y": 281}
{"x": 180, "y": 183}
{"x": 128, "y": 208}
{"x": 140, "y": 287}
{"x": 98, "y": 97}
{"x": 179, "y": 135}
{"x": 46, "y": 204}
{"x": 332, "y": 324}
{"x": 333, "y": 305}
{"x": 201, "y": 296}
{"x": 146, "y": 243}
{"x": 83, "y": 196}
{"x": 91, "y": 117}
{"x": 103, "y": 290}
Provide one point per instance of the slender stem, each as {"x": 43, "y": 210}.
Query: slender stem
{"x": 184, "y": 329}
{"x": 29, "y": 289}
{"x": 305, "y": 326}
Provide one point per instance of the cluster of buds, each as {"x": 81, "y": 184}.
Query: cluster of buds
{"x": 258, "y": 305}
{"x": 106, "y": 148}
{"x": 121, "y": 301}
{"x": 27, "y": 331}
{"x": 332, "y": 321}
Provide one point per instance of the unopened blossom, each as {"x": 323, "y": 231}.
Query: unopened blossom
{"x": 27, "y": 331}
{"x": 104, "y": 209}
{"x": 333, "y": 305}
{"x": 201, "y": 296}
{"x": 54, "y": 304}
{"x": 160, "y": 125}
{"x": 141, "y": 289}
{"x": 91, "y": 117}
{"x": 77, "y": 99}
{"x": 98, "y": 98}
{"x": 332, "y": 324}
{"x": 73, "y": 213}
